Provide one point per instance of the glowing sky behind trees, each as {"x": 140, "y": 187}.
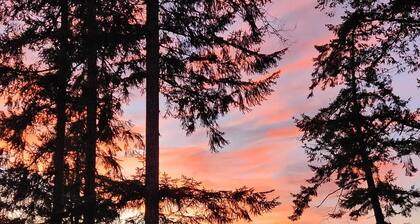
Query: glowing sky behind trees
{"x": 264, "y": 150}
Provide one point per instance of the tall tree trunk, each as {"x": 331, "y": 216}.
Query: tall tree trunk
{"x": 373, "y": 192}
{"x": 152, "y": 113}
{"x": 63, "y": 74}
{"x": 92, "y": 76}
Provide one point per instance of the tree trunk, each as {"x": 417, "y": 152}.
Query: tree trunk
{"x": 92, "y": 73}
{"x": 373, "y": 193}
{"x": 77, "y": 211}
{"x": 62, "y": 75}
{"x": 152, "y": 113}
{"x": 367, "y": 164}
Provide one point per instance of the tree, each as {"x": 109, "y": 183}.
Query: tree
{"x": 35, "y": 94}
{"x": 201, "y": 70}
{"x": 201, "y": 74}
{"x": 388, "y": 30}
{"x": 62, "y": 79}
{"x": 91, "y": 107}
{"x": 29, "y": 193}
{"x": 365, "y": 127}
{"x": 152, "y": 112}
{"x": 46, "y": 87}
{"x": 381, "y": 35}
{"x": 185, "y": 200}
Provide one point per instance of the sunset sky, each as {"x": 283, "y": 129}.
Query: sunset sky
{"x": 264, "y": 150}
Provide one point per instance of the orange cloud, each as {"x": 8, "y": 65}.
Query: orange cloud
{"x": 283, "y": 132}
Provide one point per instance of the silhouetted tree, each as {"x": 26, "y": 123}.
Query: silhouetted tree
{"x": 35, "y": 94}
{"x": 64, "y": 73}
{"x": 352, "y": 140}
{"x": 91, "y": 107}
{"x": 151, "y": 214}
{"x": 29, "y": 194}
{"x": 39, "y": 87}
{"x": 386, "y": 34}
{"x": 201, "y": 76}
{"x": 25, "y": 195}
{"x": 388, "y": 31}
{"x": 202, "y": 69}
{"x": 185, "y": 200}
{"x": 27, "y": 190}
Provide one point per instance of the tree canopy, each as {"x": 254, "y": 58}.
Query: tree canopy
{"x": 367, "y": 128}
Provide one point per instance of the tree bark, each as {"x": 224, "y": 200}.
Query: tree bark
{"x": 62, "y": 75}
{"x": 152, "y": 113}
{"x": 92, "y": 76}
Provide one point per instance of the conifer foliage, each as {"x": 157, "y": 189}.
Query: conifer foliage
{"x": 66, "y": 68}
{"x": 202, "y": 68}
{"x": 367, "y": 128}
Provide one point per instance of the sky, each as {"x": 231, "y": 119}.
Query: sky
{"x": 264, "y": 150}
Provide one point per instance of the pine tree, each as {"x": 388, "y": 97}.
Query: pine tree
{"x": 114, "y": 55}
{"x": 35, "y": 93}
{"x": 152, "y": 112}
{"x": 91, "y": 107}
{"x": 185, "y": 200}
{"x": 365, "y": 127}
{"x": 388, "y": 30}
{"x": 39, "y": 89}
{"x": 201, "y": 70}
{"x": 63, "y": 75}
{"x": 374, "y": 40}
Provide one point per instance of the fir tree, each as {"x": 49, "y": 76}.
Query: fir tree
{"x": 364, "y": 128}
{"x": 374, "y": 40}
{"x": 120, "y": 63}
{"x": 201, "y": 69}
{"x": 389, "y": 32}
{"x": 64, "y": 73}
{"x": 36, "y": 92}
{"x": 34, "y": 25}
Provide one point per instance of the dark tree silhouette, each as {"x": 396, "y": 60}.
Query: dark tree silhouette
{"x": 152, "y": 112}
{"x": 364, "y": 128}
{"x": 28, "y": 190}
{"x": 185, "y": 200}
{"x": 38, "y": 89}
{"x": 64, "y": 72}
{"x": 389, "y": 32}
{"x": 382, "y": 37}
{"x": 91, "y": 107}
{"x": 35, "y": 94}
{"x": 201, "y": 74}
{"x": 202, "y": 69}
{"x": 29, "y": 193}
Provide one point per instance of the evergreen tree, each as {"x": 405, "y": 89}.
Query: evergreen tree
{"x": 36, "y": 26}
{"x": 374, "y": 40}
{"x": 35, "y": 93}
{"x": 151, "y": 214}
{"x": 91, "y": 108}
{"x": 389, "y": 32}
{"x": 201, "y": 69}
{"x": 185, "y": 200}
{"x": 120, "y": 63}
{"x": 365, "y": 128}
{"x": 64, "y": 72}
